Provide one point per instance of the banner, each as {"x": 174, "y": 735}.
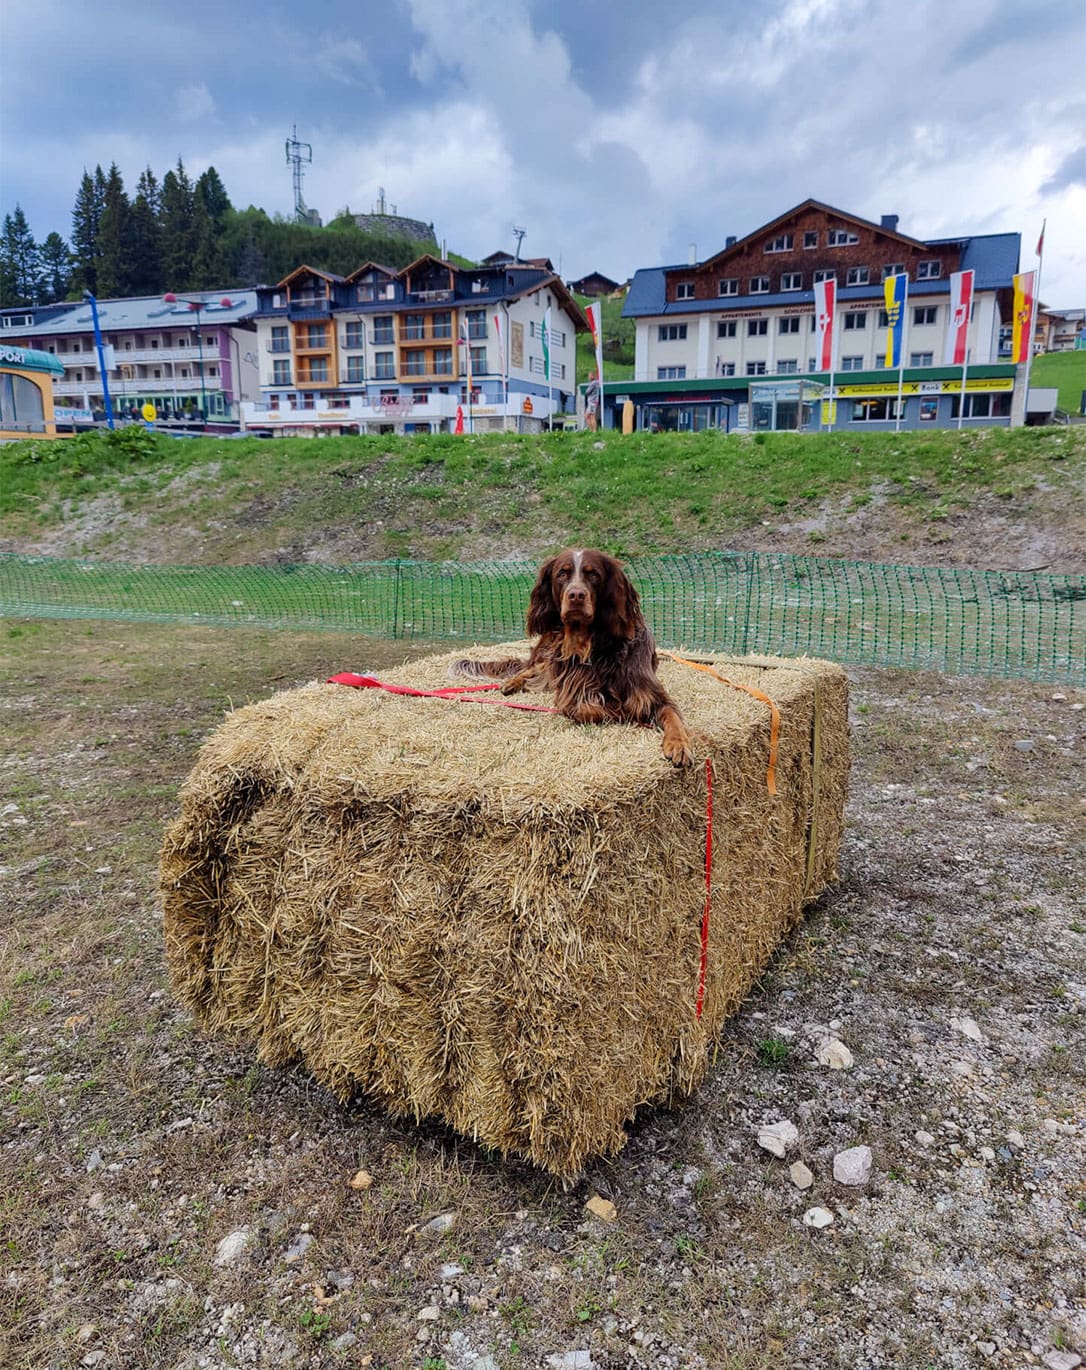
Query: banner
{"x": 547, "y": 345}
{"x": 825, "y": 294}
{"x": 465, "y": 343}
{"x": 501, "y": 349}
{"x": 896, "y": 290}
{"x": 1022, "y": 315}
{"x": 957, "y": 331}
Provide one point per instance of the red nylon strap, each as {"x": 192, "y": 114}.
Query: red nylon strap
{"x": 708, "y": 885}
{"x": 460, "y": 693}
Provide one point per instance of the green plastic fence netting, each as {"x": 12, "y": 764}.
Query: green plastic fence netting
{"x": 959, "y": 621}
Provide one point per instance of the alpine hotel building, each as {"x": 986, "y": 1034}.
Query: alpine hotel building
{"x": 730, "y": 342}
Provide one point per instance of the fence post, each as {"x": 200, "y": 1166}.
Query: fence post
{"x": 396, "y": 599}
{"x": 750, "y": 561}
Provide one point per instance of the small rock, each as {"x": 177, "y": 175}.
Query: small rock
{"x": 94, "y": 1160}
{"x": 442, "y": 1223}
{"x": 572, "y": 1360}
{"x": 429, "y": 1314}
{"x": 968, "y": 1028}
{"x": 852, "y": 1166}
{"x": 449, "y": 1272}
{"x": 88, "y": 1330}
{"x": 833, "y": 1053}
{"x": 986, "y": 1348}
{"x": 232, "y": 1245}
{"x": 924, "y": 1138}
{"x": 1057, "y": 1360}
{"x": 93, "y": 1358}
{"x": 478, "y": 1303}
{"x": 1024, "y": 744}
{"x": 344, "y": 1342}
{"x": 800, "y": 1175}
{"x": 1058, "y": 698}
{"x": 779, "y": 1138}
{"x": 486, "y": 1363}
{"x": 817, "y": 1217}
{"x": 1016, "y": 1140}
{"x": 987, "y": 1154}
{"x": 602, "y": 1208}
{"x": 297, "y": 1249}
{"x": 361, "y": 1179}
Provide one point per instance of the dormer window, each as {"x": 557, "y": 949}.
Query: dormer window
{"x": 929, "y": 271}
{"x": 841, "y": 237}
{"x": 728, "y": 287}
{"x": 684, "y": 291}
{"x": 781, "y": 243}
{"x": 759, "y": 285}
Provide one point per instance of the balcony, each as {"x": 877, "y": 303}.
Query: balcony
{"x": 301, "y": 312}
{"x": 277, "y": 345}
{"x": 353, "y": 342}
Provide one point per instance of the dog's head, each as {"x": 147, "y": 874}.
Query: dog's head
{"x": 586, "y": 590}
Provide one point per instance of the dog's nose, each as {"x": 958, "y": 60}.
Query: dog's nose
{"x": 575, "y": 595}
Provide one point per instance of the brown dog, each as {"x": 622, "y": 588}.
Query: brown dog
{"x": 594, "y": 649}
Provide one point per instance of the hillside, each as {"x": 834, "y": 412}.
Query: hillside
{"x": 991, "y": 498}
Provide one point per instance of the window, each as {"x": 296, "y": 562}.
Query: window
{"x": 725, "y": 328}
{"x": 21, "y": 406}
{"x": 725, "y": 368}
{"x": 925, "y": 314}
{"x": 354, "y": 336}
{"x": 414, "y": 327}
{"x": 825, "y": 276}
{"x": 787, "y": 368}
{"x": 728, "y": 287}
{"x": 790, "y": 325}
{"x": 419, "y": 395}
{"x": 315, "y": 335}
{"x": 893, "y": 269}
{"x": 757, "y": 328}
{"x": 855, "y": 318}
{"x": 929, "y": 411}
{"x": 857, "y": 275}
{"x": 759, "y": 285}
{"x": 684, "y": 291}
{"x": 867, "y": 411}
{"x": 478, "y": 361}
{"x": 356, "y": 372}
{"x": 841, "y": 237}
{"x": 476, "y": 323}
{"x": 852, "y": 363}
{"x": 792, "y": 280}
{"x": 442, "y": 324}
{"x": 921, "y": 358}
{"x": 671, "y": 332}
{"x": 884, "y": 319}
{"x": 414, "y": 362}
{"x": 384, "y": 366}
{"x": 443, "y": 361}
{"x": 318, "y": 371}
{"x": 810, "y": 238}
{"x": 671, "y": 373}
{"x": 382, "y": 328}
{"x": 929, "y": 271}
{"x": 982, "y": 406}
{"x": 756, "y": 368}
{"x": 781, "y": 243}
{"x": 280, "y": 340}
{"x": 281, "y": 373}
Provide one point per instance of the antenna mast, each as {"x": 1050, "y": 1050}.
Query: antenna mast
{"x": 297, "y": 153}
{"x": 518, "y": 233}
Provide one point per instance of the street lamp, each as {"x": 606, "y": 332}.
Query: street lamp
{"x": 101, "y": 356}
{"x": 196, "y": 306}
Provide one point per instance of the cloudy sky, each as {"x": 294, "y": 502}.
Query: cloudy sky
{"x": 617, "y": 132}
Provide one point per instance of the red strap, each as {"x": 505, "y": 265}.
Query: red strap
{"x": 460, "y": 693}
{"x": 708, "y": 884}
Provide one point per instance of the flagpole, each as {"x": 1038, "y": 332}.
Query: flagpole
{"x": 901, "y": 357}
{"x": 1035, "y": 305}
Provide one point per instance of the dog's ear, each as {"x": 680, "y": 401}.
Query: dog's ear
{"x": 544, "y": 615}
{"x": 619, "y": 602}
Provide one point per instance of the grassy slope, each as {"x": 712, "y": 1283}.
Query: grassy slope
{"x": 449, "y": 497}
{"x": 1066, "y": 371}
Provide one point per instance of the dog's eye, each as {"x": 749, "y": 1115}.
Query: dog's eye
{"x": 563, "y": 574}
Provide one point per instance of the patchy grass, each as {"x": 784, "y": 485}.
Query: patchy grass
{"x": 132, "y": 1145}
{"x": 1066, "y": 371}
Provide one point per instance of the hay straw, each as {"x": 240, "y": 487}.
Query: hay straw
{"x": 490, "y": 916}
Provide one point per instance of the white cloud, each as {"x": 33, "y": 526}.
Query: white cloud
{"x": 194, "y": 102}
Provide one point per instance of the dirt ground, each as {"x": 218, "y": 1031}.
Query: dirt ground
{"x": 168, "y": 1202}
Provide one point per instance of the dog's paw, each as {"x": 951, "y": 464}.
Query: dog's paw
{"x": 514, "y": 686}
{"x": 678, "y": 749}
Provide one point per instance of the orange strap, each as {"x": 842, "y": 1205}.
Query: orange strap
{"x": 774, "y": 712}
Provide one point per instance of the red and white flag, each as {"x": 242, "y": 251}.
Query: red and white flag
{"x": 961, "y": 305}
{"x": 594, "y": 313}
{"x": 501, "y": 348}
{"x": 1041, "y": 240}
{"x": 825, "y": 296}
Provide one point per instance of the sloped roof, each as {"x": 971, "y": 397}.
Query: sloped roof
{"x": 151, "y": 311}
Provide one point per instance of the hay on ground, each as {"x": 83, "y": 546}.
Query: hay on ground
{"x": 491, "y": 916}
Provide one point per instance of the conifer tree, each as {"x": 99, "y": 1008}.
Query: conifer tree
{"x": 114, "y": 232}
{"x": 178, "y": 229}
{"x": 20, "y": 262}
{"x": 56, "y": 266}
{"x": 86, "y": 216}
{"x": 145, "y": 238}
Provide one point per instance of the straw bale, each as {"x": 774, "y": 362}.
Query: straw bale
{"x": 492, "y": 916}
